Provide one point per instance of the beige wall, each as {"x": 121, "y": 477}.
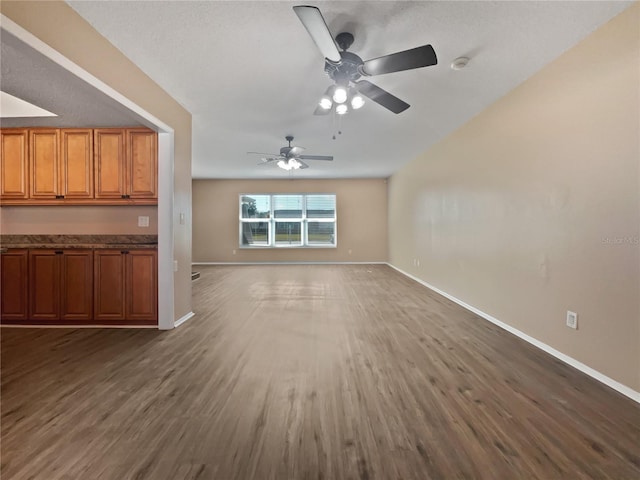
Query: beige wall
{"x": 56, "y": 24}
{"x": 532, "y": 208}
{"x": 80, "y": 220}
{"x": 361, "y": 223}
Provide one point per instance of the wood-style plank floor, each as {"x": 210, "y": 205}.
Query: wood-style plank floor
{"x": 307, "y": 372}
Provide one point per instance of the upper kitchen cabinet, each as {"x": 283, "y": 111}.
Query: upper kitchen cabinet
{"x": 14, "y": 163}
{"x": 79, "y": 166}
{"x": 142, "y": 163}
{"x": 44, "y": 149}
{"x": 109, "y": 162}
{"x": 126, "y": 163}
{"x": 76, "y": 163}
{"x": 61, "y": 163}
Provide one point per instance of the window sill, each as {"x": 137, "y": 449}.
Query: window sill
{"x": 286, "y": 247}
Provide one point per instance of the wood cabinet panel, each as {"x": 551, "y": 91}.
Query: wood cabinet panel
{"x": 76, "y": 286}
{"x": 142, "y": 163}
{"x": 141, "y": 285}
{"x": 44, "y": 285}
{"x": 108, "y": 285}
{"x": 43, "y": 162}
{"x": 14, "y": 163}
{"x": 76, "y": 163}
{"x": 14, "y": 302}
{"x": 110, "y": 163}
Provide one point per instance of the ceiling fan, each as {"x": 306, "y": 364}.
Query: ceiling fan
{"x": 345, "y": 68}
{"x": 290, "y": 158}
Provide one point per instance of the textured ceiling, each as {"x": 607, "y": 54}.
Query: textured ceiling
{"x": 250, "y": 74}
{"x": 29, "y": 75}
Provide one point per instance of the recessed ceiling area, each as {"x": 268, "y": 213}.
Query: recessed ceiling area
{"x": 14, "y": 107}
{"x": 250, "y": 74}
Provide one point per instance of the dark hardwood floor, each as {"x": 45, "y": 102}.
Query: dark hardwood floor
{"x": 306, "y": 372}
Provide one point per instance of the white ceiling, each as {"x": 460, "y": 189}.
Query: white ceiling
{"x": 250, "y": 74}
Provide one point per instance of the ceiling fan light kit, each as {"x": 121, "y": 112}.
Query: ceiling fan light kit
{"x": 344, "y": 99}
{"x": 346, "y": 68}
{"x": 356, "y": 99}
{"x": 340, "y": 94}
{"x": 342, "y": 109}
{"x": 290, "y": 164}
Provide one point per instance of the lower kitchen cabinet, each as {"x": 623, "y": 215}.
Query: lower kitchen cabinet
{"x": 126, "y": 285}
{"x": 79, "y": 287}
{"x": 60, "y": 285}
{"x": 14, "y": 275}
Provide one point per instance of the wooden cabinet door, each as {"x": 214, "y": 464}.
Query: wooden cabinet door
{"x": 76, "y": 163}
{"x": 43, "y": 162}
{"x": 141, "y": 285}
{"x": 109, "y": 163}
{"x": 142, "y": 163}
{"x": 44, "y": 285}
{"x": 76, "y": 285}
{"x": 14, "y": 163}
{"x": 108, "y": 285}
{"x": 15, "y": 285}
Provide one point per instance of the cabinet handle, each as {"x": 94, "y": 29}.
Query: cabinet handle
{"x": 58, "y": 252}
{"x": 59, "y": 197}
{"x": 124, "y": 252}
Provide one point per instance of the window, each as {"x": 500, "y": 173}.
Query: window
{"x": 287, "y": 220}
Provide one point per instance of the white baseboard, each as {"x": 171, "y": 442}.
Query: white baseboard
{"x": 183, "y": 319}
{"x": 610, "y": 382}
{"x": 288, "y": 263}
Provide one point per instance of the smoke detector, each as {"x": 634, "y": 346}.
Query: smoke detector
{"x": 459, "y": 63}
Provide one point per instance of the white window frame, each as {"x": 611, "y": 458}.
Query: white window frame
{"x": 303, "y": 220}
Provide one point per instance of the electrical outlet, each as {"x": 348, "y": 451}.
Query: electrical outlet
{"x": 143, "y": 221}
{"x": 572, "y": 320}
{"x": 233, "y": 251}
{"x": 175, "y": 265}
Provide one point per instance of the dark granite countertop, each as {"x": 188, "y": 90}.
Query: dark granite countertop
{"x": 78, "y": 241}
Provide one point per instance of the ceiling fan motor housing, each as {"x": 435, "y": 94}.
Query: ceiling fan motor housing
{"x": 348, "y": 69}
{"x": 284, "y": 151}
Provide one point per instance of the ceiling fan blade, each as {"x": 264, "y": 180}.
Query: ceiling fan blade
{"x": 313, "y": 21}
{"x": 262, "y": 153}
{"x": 316, "y": 157}
{"x": 303, "y": 165}
{"x": 418, "y": 57}
{"x": 265, "y": 161}
{"x": 381, "y": 97}
{"x": 295, "y": 151}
